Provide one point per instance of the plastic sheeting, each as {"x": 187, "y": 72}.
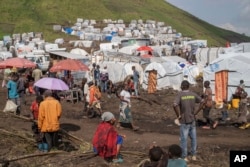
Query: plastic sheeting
{"x": 237, "y": 65}
{"x": 169, "y": 75}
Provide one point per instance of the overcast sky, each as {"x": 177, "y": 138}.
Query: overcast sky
{"x": 229, "y": 14}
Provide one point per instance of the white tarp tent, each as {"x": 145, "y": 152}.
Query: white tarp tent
{"x": 169, "y": 75}
{"x": 242, "y": 47}
{"x": 189, "y": 70}
{"x": 206, "y": 55}
{"x": 79, "y": 51}
{"x": 237, "y": 66}
{"x": 5, "y": 55}
{"x": 129, "y": 49}
{"x": 118, "y": 71}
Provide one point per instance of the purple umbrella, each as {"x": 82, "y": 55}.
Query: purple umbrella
{"x": 51, "y": 84}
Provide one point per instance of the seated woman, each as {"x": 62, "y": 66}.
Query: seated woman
{"x": 106, "y": 141}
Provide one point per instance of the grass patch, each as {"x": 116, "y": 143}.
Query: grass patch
{"x": 36, "y": 16}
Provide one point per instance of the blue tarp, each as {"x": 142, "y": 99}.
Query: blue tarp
{"x": 108, "y": 37}
{"x": 68, "y": 30}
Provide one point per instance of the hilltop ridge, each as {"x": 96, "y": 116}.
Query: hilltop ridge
{"x": 39, "y": 16}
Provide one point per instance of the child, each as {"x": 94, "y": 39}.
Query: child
{"x": 157, "y": 158}
{"x": 174, "y": 153}
{"x": 34, "y": 110}
{"x": 224, "y": 111}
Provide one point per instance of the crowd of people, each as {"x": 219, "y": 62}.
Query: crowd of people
{"x": 46, "y": 111}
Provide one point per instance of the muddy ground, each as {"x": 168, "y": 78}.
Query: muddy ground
{"x": 155, "y": 120}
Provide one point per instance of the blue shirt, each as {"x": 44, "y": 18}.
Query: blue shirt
{"x": 12, "y": 89}
{"x": 177, "y": 163}
{"x": 97, "y": 74}
{"x": 135, "y": 76}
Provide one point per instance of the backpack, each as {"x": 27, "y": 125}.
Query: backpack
{"x": 98, "y": 94}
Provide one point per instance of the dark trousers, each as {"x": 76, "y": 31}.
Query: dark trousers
{"x": 51, "y": 139}
{"x": 206, "y": 112}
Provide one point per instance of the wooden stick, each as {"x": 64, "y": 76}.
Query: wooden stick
{"x": 145, "y": 100}
{"x": 16, "y": 134}
{"x": 71, "y": 137}
{"x": 134, "y": 153}
{"x": 34, "y": 155}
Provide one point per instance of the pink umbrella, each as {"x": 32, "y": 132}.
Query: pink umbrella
{"x": 17, "y": 63}
{"x": 51, "y": 84}
{"x": 70, "y": 65}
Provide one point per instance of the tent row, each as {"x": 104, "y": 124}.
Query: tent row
{"x": 168, "y": 73}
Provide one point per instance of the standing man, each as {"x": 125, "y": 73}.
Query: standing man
{"x": 184, "y": 107}
{"x": 85, "y": 89}
{"x": 48, "y": 119}
{"x": 12, "y": 93}
{"x": 104, "y": 77}
{"x": 37, "y": 74}
{"x": 92, "y": 71}
{"x": 21, "y": 82}
{"x": 97, "y": 75}
{"x": 239, "y": 90}
{"x": 135, "y": 80}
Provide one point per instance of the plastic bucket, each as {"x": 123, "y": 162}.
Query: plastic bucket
{"x": 235, "y": 103}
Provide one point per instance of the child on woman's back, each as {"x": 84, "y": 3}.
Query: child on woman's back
{"x": 174, "y": 153}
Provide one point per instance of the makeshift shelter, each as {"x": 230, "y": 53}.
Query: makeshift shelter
{"x": 190, "y": 71}
{"x": 128, "y": 49}
{"x": 5, "y": 55}
{"x": 242, "y": 47}
{"x": 79, "y": 51}
{"x": 118, "y": 71}
{"x": 169, "y": 75}
{"x": 225, "y": 74}
{"x": 152, "y": 81}
{"x": 206, "y": 55}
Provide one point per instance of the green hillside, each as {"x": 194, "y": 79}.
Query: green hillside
{"x": 18, "y": 16}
